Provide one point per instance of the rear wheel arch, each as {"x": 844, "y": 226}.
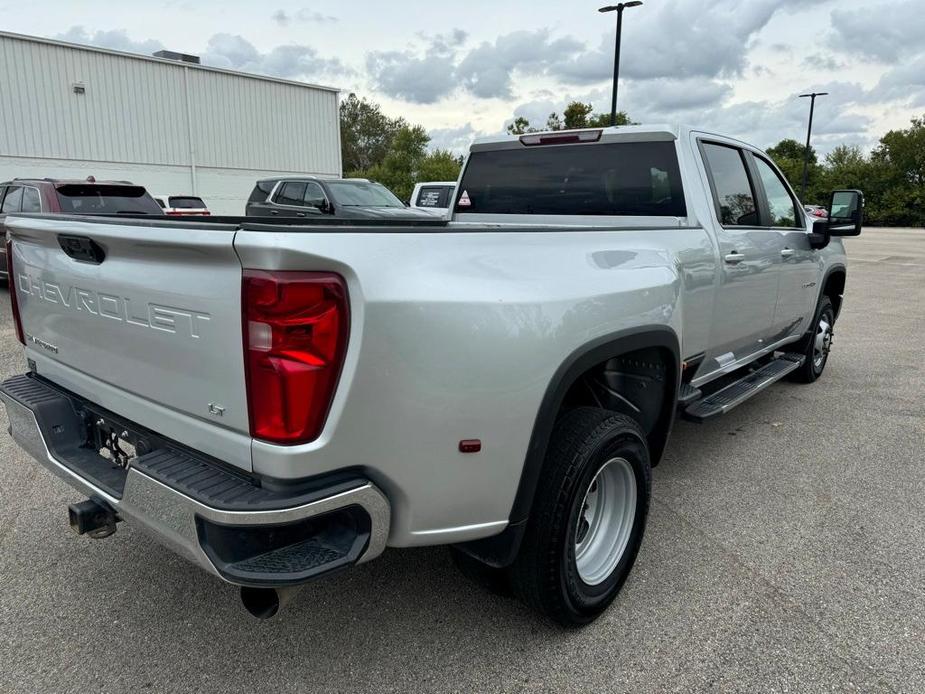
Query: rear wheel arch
{"x": 833, "y": 286}
{"x": 638, "y": 346}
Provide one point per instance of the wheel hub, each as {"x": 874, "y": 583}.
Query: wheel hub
{"x": 608, "y": 512}
{"x": 823, "y": 342}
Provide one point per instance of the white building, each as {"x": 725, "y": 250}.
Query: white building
{"x": 175, "y": 127}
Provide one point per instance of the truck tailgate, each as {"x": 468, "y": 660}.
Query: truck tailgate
{"x": 148, "y": 309}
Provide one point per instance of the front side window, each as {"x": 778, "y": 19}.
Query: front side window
{"x": 782, "y": 206}
{"x": 291, "y": 193}
{"x": 314, "y": 195}
{"x": 610, "y": 179}
{"x": 13, "y": 200}
{"x": 31, "y": 201}
{"x": 731, "y": 184}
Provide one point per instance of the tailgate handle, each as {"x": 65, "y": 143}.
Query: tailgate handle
{"x": 82, "y": 249}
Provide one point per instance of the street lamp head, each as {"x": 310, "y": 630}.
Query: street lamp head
{"x": 622, "y": 6}
{"x": 814, "y": 94}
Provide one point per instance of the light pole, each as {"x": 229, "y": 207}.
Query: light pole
{"x": 616, "y": 54}
{"x": 809, "y": 132}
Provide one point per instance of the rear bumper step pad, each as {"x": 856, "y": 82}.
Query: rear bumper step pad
{"x": 222, "y": 520}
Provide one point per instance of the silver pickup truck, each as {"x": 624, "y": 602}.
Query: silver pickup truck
{"x": 277, "y": 401}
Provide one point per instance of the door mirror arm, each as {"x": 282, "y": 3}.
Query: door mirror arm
{"x": 819, "y": 236}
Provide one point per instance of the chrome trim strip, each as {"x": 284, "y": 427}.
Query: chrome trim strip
{"x": 170, "y": 516}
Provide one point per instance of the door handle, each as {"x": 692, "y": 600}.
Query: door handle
{"x": 299, "y": 214}
{"x": 786, "y": 253}
{"x": 274, "y": 211}
{"x": 734, "y": 258}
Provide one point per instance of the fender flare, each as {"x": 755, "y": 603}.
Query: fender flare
{"x": 838, "y": 268}
{"x": 500, "y": 550}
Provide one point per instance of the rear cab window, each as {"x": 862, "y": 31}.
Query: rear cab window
{"x": 632, "y": 179}
{"x": 91, "y": 198}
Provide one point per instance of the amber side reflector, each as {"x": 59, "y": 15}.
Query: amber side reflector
{"x": 470, "y": 445}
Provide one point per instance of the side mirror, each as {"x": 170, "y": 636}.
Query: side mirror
{"x": 846, "y": 213}
{"x": 318, "y": 203}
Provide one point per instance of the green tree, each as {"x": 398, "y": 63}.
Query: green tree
{"x": 897, "y": 177}
{"x": 602, "y": 120}
{"x": 788, "y": 155}
{"x": 408, "y": 162}
{"x": 400, "y": 164}
{"x": 365, "y": 133}
{"x": 519, "y": 126}
{"x": 554, "y": 122}
{"x": 439, "y": 165}
{"x": 575, "y": 115}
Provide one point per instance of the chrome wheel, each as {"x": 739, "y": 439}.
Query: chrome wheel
{"x": 606, "y": 521}
{"x": 823, "y": 342}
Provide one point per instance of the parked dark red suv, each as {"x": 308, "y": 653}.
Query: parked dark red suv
{"x": 61, "y": 196}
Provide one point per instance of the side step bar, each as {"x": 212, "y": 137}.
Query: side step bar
{"x": 738, "y": 392}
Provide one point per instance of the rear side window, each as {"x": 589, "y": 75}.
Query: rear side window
{"x": 433, "y": 196}
{"x": 78, "y": 198}
{"x": 615, "y": 179}
{"x": 13, "y": 200}
{"x": 31, "y": 200}
{"x": 732, "y": 188}
{"x": 186, "y": 202}
{"x": 261, "y": 191}
{"x": 291, "y": 193}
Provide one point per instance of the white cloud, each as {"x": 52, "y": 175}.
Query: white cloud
{"x": 304, "y": 14}
{"x": 885, "y": 32}
{"x": 456, "y": 140}
{"x": 289, "y": 61}
{"x": 116, "y": 39}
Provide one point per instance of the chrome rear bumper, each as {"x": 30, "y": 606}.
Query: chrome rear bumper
{"x": 174, "y": 517}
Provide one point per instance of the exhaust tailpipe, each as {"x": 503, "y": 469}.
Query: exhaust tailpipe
{"x": 264, "y": 603}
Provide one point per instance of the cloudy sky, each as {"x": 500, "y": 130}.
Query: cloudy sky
{"x": 463, "y": 69}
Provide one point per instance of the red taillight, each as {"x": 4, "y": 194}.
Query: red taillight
{"x": 295, "y": 336}
{"x": 14, "y": 300}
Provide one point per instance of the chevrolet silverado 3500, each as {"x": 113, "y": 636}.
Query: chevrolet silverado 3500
{"x": 278, "y": 400}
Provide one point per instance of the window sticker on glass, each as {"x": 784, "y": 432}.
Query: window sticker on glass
{"x": 464, "y": 200}
{"x": 430, "y": 198}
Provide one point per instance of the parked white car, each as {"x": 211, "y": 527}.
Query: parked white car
{"x": 434, "y": 197}
{"x": 182, "y": 205}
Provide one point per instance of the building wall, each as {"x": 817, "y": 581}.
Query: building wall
{"x": 168, "y": 126}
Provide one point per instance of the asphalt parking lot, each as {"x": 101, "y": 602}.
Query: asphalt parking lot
{"x": 785, "y": 552}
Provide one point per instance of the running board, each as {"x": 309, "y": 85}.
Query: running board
{"x": 736, "y": 393}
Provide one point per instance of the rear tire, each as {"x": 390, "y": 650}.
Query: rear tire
{"x": 819, "y": 344}
{"x": 588, "y": 517}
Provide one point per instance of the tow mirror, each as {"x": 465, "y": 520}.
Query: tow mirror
{"x": 846, "y": 213}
